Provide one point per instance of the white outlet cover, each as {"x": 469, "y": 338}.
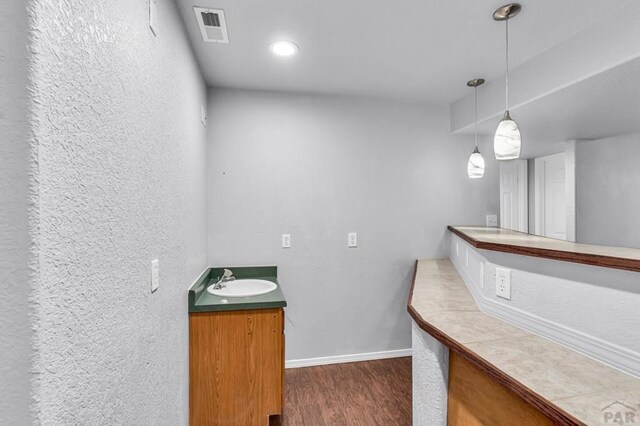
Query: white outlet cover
{"x": 492, "y": 220}
{"x": 503, "y": 283}
{"x": 155, "y": 275}
{"x": 286, "y": 240}
{"x": 352, "y": 239}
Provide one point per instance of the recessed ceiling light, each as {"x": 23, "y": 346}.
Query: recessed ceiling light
{"x": 283, "y": 48}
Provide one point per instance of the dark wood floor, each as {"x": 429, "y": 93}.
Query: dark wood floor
{"x": 360, "y": 393}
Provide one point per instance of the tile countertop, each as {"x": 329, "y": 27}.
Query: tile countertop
{"x": 200, "y": 300}
{"x": 508, "y": 241}
{"x": 542, "y": 372}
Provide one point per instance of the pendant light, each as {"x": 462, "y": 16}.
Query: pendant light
{"x": 475, "y": 166}
{"x": 507, "y": 142}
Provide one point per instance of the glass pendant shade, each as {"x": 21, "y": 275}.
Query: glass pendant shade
{"x": 506, "y": 143}
{"x": 475, "y": 166}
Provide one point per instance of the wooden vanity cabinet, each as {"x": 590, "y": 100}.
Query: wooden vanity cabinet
{"x": 236, "y": 367}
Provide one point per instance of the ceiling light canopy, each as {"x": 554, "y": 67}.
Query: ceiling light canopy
{"x": 283, "y": 48}
{"x": 475, "y": 166}
{"x": 507, "y": 141}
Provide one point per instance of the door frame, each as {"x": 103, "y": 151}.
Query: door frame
{"x": 539, "y": 193}
{"x": 522, "y": 202}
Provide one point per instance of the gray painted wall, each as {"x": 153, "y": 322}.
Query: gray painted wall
{"x": 121, "y": 160}
{"x": 319, "y": 167}
{"x": 607, "y": 191}
{"x": 15, "y": 252}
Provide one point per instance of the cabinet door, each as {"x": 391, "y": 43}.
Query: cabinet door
{"x": 476, "y": 399}
{"x": 236, "y": 367}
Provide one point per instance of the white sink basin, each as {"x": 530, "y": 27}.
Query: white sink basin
{"x": 244, "y": 288}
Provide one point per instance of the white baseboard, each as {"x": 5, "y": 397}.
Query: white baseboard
{"x": 615, "y": 356}
{"x": 340, "y": 359}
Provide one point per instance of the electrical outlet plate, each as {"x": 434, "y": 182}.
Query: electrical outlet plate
{"x": 352, "y": 239}
{"x": 503, "y": 283}
{"x": 155, "y": 275}
{"x": 492, "y": 220}
{"x": 286, "y": 240}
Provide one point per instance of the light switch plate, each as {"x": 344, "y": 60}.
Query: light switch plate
{"x": 286, "y": 240}
{"x": 352, "y": 239}
{"x": 503, "y": 283}
{"x": 155, "y": 275}
{"x": 203, "y": 115}
{"x": 153, "y": 13}
{"x": 492, "y": 220}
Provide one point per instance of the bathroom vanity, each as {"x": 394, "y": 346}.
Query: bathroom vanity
{"x": 236, "y": 350}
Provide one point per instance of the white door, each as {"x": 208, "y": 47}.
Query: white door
{"x": 551, "y": 197}
{"x": 513, "y": 195}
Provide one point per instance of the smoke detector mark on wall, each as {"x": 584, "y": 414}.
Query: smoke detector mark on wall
{"x": 213, "y": 25}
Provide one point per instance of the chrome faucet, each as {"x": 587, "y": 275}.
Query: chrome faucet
{"x": 226, "y": 277}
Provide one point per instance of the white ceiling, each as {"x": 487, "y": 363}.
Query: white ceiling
{"x": 413, "y": 49}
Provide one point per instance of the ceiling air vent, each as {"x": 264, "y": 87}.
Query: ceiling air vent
{"x": 212, "y": 24}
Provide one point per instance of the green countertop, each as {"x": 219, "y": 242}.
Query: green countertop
{"x": 200, "y": 300}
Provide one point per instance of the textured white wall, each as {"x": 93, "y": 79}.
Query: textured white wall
{"x": 122, "y": 158}
{"x": 318, "y": 167}
{"x": 590, "y": 309}
{"x": 15, "y": 197}
{"x": 430, "y": 374}
{"x": 607, "y": 188}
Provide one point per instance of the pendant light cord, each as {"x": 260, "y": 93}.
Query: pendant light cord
{"x": 506, "y": 84}
{"x": 475, "y": 93}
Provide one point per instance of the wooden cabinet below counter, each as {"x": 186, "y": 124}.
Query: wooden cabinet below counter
{"x": 236, "y": 367}
{"x": 476, "y": 399}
